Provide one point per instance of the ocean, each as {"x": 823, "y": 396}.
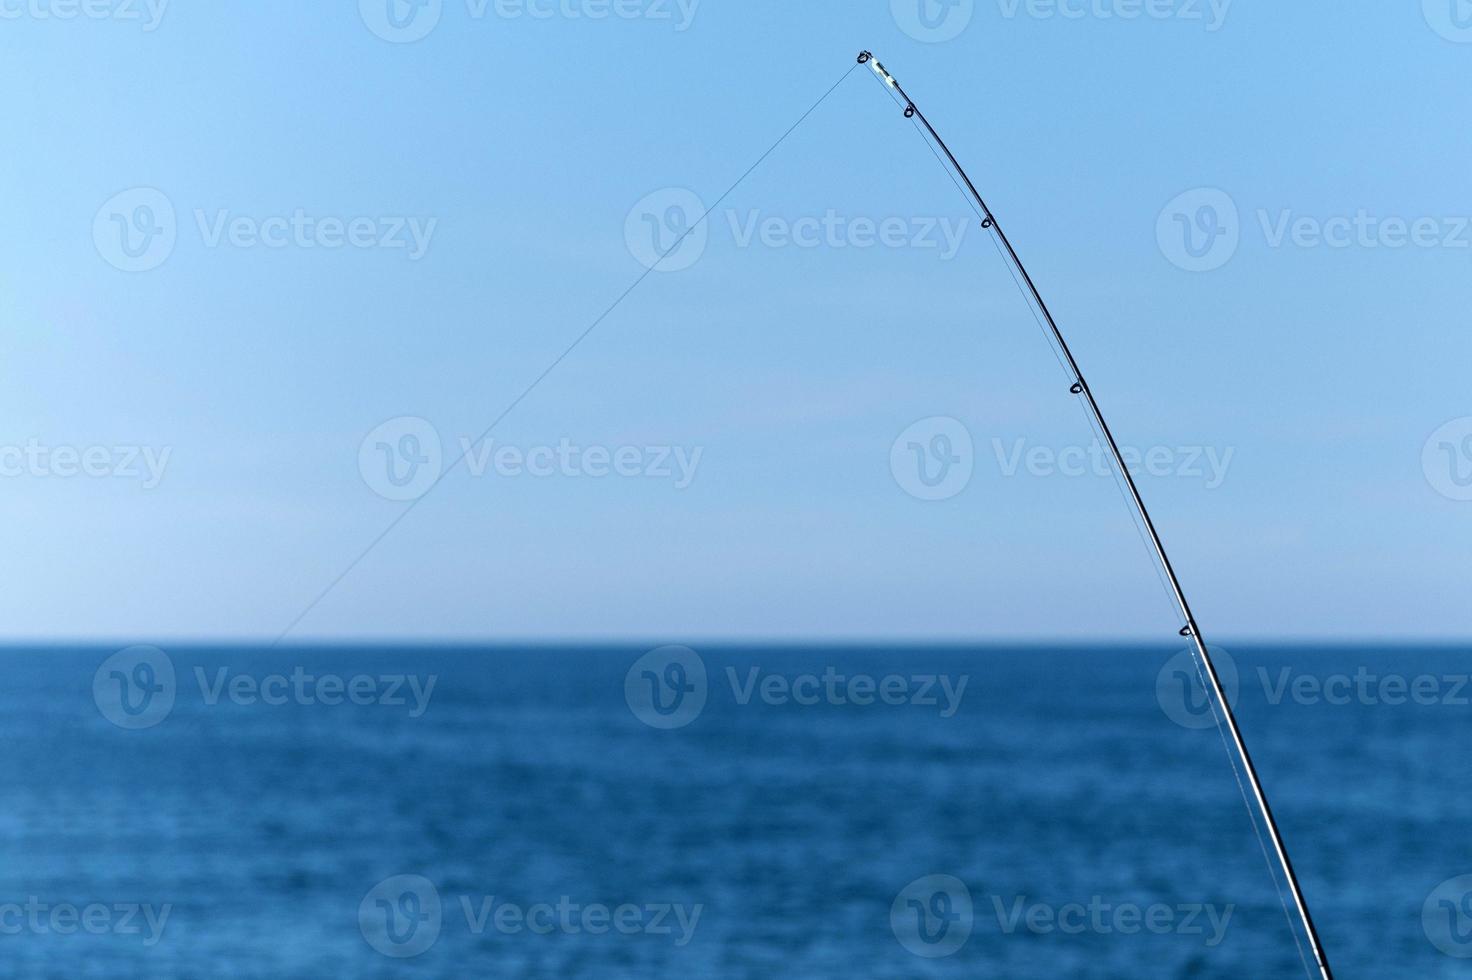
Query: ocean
{"x": 725, "y": 812}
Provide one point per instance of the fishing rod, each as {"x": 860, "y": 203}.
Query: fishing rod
{"x": 1191, "y": 629}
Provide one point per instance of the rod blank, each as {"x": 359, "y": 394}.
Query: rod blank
{"x": 1191, "y": 629}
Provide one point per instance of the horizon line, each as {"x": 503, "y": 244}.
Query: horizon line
{"x": 800, "y": 641}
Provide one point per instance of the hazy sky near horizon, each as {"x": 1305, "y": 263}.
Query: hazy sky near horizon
{"x": 268, "y": 265}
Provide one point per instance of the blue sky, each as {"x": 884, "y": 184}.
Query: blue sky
{"x": 330, "y": 227}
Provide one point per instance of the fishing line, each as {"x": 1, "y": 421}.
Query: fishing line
{"x": 1134, "y": 518}
{"x": 1052, "y": 345}
{"x": 1047, "y": 338}
{"x": 1140, "y": 531}
{"x": 398, "y": 519}
{"x": 1226, "y": 719}
{"x": 1252, "y": 817}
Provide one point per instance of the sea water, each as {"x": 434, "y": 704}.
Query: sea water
{"x": 725, "y": 812}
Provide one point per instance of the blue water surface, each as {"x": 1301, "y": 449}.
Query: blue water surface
{"x": 1060, "y": 782}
